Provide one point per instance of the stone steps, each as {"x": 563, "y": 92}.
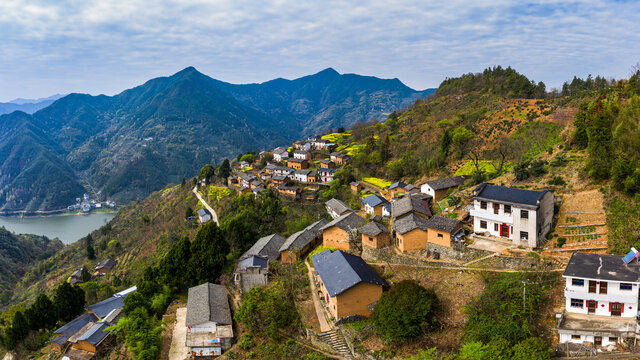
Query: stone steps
{"x": 337, "y": 342}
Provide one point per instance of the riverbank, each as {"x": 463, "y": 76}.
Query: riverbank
{"x": 66, "y": 227}
{"x": 48, "y": 213}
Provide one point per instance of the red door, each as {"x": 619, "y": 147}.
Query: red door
{"x": 504, "y": 230}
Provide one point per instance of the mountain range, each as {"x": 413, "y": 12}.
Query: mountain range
{"x": 135, "y": 142}
{"x": 27, "y": 105}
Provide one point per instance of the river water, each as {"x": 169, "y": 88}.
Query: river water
{"x": 67, "y": 228}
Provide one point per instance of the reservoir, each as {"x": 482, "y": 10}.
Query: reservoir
{"x": 68, "y": 228}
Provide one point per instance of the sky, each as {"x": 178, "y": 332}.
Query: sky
{"x": 104, "y": 47}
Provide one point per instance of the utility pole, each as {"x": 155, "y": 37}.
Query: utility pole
{"x": 524, "y": 295}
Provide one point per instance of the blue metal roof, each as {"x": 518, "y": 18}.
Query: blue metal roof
{"x": 374, "y": 200}
{"x": 508, "y": 194}
{"x": 104, "y": 307}
{"x": 76, "y": 324}
{"x": 340, "y": 271}
{"x": 95, "y": 334}
{"x": 254, "y": 261}
{"x": 396, "y": 184}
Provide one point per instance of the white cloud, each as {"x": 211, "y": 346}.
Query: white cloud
{"x": 107, "y": 46}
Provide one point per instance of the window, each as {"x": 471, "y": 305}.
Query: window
{"x": 495, "y": 227}
{"x": 507, "y": 209}
{"x": 577, "y": 303}
{"x": 576, "y": 337}
{"x": 483, "y": 224}
{"x": 483, "y": 205}
{"x": 577, "y": 282}
{"x": 371, "y": 239}
{"x": 626, "y": 286}
{"x": 524, "y": 214}
{"x": 524, "y": 235}
{"x": 440, "y": 236}
{"x": 613, "y": 339}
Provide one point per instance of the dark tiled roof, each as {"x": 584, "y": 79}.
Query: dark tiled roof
{"x": 304, "y": 172}
{"x": 397, "y": 184}
{"x": 602, "y": 267}
{"x": 507, "y": 194}
{"x": 208, "y": 302}
{"x": 408, "y": 223}
{"x": 303, "y": 237}
{"x": 294, "y": 160}
{"x": 254, "y": 260}
{"x": 445, "y": 183}
{"x": 76, "y": 324}
{"x": 279, "y": 177}
{"x": 374, "y": 200}
{"x": 104, "y": 307}
{"x": 337, "y": 206}
{"x": 268, "y": 246}
{"x": 354, "y": 183}
{"x": 442, "y": 223}
{"x": 373, "y": 228}
{"x": 96, "y": 333}
{"x": 341, "y": 271}
{"x": 346, "y": 222}
{"x": 326, "y": 161}
{"x": 407, "y": 204}
{"x": 106, "y": 264}
{"x": 279, "y": 150}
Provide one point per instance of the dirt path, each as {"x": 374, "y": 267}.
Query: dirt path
{"x": 214, "y": 216}
{"x": 324, "y": 325}
{"x": 178, "y": 349}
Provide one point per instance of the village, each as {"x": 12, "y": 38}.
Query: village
{"x": 349, "y": 252}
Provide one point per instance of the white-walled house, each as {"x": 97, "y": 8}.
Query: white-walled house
{"x": 280, "y": 154}
{"x": 601, "y": 295}
{"x": 208, "y": 320}
{"x": 520, "y": 215}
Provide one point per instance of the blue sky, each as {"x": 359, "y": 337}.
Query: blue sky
{"x": 63, "y": 46}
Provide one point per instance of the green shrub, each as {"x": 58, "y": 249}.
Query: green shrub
{"x": 561, "y": 241}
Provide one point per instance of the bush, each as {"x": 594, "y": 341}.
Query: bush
{"x": 557, "y": 180}
{"x": 561, "y": 241}
{"x": 531, "y": 349}
{"x": 266, "y": 311}
{"x": 405, "y": 311}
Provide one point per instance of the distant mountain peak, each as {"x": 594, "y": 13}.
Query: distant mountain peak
{"x": 190, "y": 70}
{"x": 328, "y": 72}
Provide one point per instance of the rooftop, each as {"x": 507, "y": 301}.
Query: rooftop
{"x": 208, "y": 303}
{"x": 341, "y": 271}
{"x": 508, "y": 194}
{"x": 442, "y": 223}
{"x": 397, "y": 184}
{"x": 267, "y": 246}
{"x": 106, "y": 264}
{"x": 337, "y": 206}
{"x": 373, "y": 228}
{"x": 374, "y": 200}
{"x": 302, "y": 238}
{"x": 76, "y": 324}
{"x": 602, "y": 267}
{"x": 407, "y": 204}
{"x": 445, "y": 183}
{"x": 253, "y": 261}
{"x": 409, "y": 223}
{"x": 96, "y": 333}
{"x": 346, "y": 222}
{"x": 577, "y": 323}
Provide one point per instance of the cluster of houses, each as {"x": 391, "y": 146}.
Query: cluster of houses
{"x": 87, "y": 337}
{"x": 85, "y": 204}
{"x": 101, "y": 269}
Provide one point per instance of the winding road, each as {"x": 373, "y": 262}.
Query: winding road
{"x": 214, "y": 216}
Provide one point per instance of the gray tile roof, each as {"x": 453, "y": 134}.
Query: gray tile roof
{"x": 373, "y": 228}
{"x": 602, "y": 267}
{"x": 445, "y": 183}
{"x": 279, "y": 177}
{"x": 303, "y": 172}
{"x": 96, "y": 333}
{"x": 268, "y": 246}
{"x": 279, "y": 150}
{"x": 208, "y": 302}
{"x": 346, "y": 222}
{"x": 104, "y": 307}
{"x": 341, "y": 271}
{"x": 408, "y": 223}
{"x": 507, "y": 194}
{"x": 337, "y": 206}
{"x": 442, "y": 223}
{"x": 76, "y": 324}
{"x": 407, "y": 204}
{"x": 294, "y": 160}
{"x": 106, "y": 264}
{"x": 302, "y": 238}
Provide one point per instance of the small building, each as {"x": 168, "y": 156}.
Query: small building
{"x": 76, "y": 276}
{"x": 312, "y": 177}
{"x": 410, "y": 205}
{"x": 244, "y": 190}
{"x": 302, "y": 155}
{"x": 326, "y": 175}
{"x": 355, "y": 186}
{"x": 250, "y": 272}
{"x": 267, "y": 246}
{"x": 298, "y": 244}
{"x": 289, "y": 191}
{"x": 203, "y": 215}
{"x": 410, "y": 233}
{"x": 208, "y": 321}
{"x": 339, "y": 158}
{"x": 302, "y": 176}
{"x": 284, "y": 170}
{"x": 520, "y": 215}
{"x": 298, "y": 163}
{"x": 62, "y": 335}
{"x": 347, "y": 284}
{"x": 337, "y": 208}
{"x": 601, "y": 295}
{"x": 327, "y": 164}
{"x": 439, "y": 188}
{"x": 280, "y": 154}
{"x": 278, "y": 180}
{"x": 320, "y": 144}
{"x": 397, "y": 188}
{"x": 443, "y": 231}
{"x": 105, "y": 266}
{"x": 373, "y": 204}
{"x": 375, "y": 235}
{"x": 338, "y": 233}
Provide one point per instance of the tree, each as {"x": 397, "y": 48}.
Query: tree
{"x": 224, "y": 171}
{"x": 208, "y": 253}
{"x": 405, "y": 311}
{"x": 91, "y": 254}
{"x": 521, "y": 170}
{"x": 460, "y": 139}
{"x": 68, "y": 301}
{"x": 19, "y": 325}
{"x": 85, "y": 274}
{"x": 599, "y": 147}
{"x": 207, "y": 173}
{"x": 188, "y": 212}
{"x": 42, "y": 314}
{"x": 266, "y": 311}
{"x": 531, "y": 349}
{"x": 142, "y": 333}
{"x": 134, "y": 301}
{"x": 183, "y": 182}
{"x": 10, "y": 338}
{"x": 173, "y": 268}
